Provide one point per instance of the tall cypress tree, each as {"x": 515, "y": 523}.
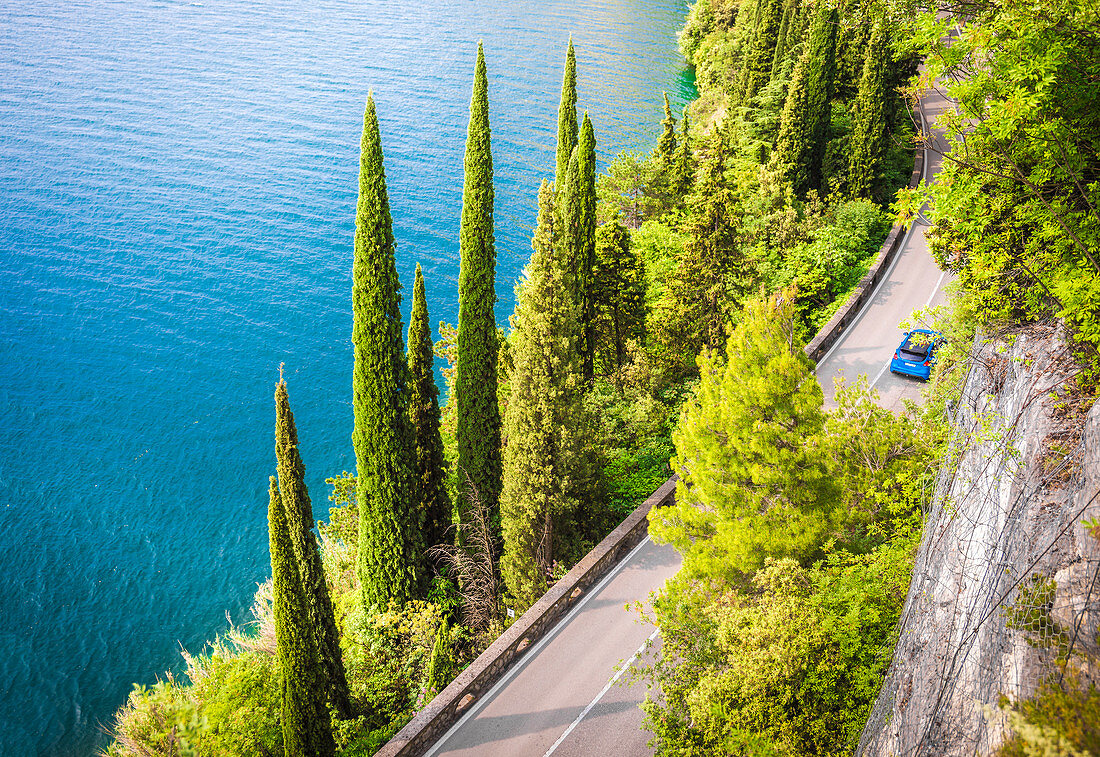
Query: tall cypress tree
{"x": 804, "y": 123}
{"x": 619, "y": 294}
{"x": 868, "y": 140}
{"x": 307, "y": 728}
{"x": 757, "y": 64}
{"x": 666, "y": 145}
{"x": 710, "y": 278}
{"x": 478, "y": 432}
{"x": 851, "y": 45}
{"x": 783, "y": 41}
{"x": 567, "y": 117}
{"x": 683, "y": 164}
{"x": 430, "y": 498}
{"x": 299, "y": 515}
{"x": 577, "y": 220}
{"x": 383, "y": 444}
{"x": 542, "y": 420}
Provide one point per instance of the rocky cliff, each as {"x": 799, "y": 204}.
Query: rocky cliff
{"x": 1008, "y": 573}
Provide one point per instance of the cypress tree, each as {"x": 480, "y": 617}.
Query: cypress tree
{"x": 619, "y": 294}
{"x": 586, "y": 248}
{"x": 383, "y": 451}
{"x": 478, "y": 432}
{"x": 683, "y": 164}
{"x": 851, "y": 46}
{"x": 804, "y": 123}
{"x": 567, "y": 117}
{"x": 868, "y": 141}
{"x": 299, "y": 515}
{"x": 710, "y": 276}
{"x": 576, "y": 207}
{"x": 542, "y": 420}
{"x": 430, "y": 500}
{"x": 757, "y": 64}
{"x": 666, "y": 145}
{"x": 307, "y": 728}
{"x": 783, "y": 39}
{"x": 439, "y": 664}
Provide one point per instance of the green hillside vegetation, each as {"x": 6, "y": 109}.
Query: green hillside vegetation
{"x": 799, "y": 526}
{"x": 676, "y": 283}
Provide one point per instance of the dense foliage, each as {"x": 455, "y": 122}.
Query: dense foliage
{"x": 798, "y": 529}
{"x": 1015, "y": 212}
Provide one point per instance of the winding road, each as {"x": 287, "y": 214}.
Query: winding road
{"x": 913, "y": 281}
{"x": 568, "y": 696}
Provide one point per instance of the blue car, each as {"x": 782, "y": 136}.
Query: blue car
{"x": 916, "y": 354}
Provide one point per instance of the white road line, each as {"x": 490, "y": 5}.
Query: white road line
{"x": 488, "y": 696}
{"x": 935, "y": 289}
{"x": 599, "y": 696}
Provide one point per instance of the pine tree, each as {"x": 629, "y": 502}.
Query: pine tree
{"x": 299, "y": 515}
{"x": 710, "y": 276}
{"x": 307, "y": 727}
{"x": 666, "y": 145}
{"x": 757, "y": 64}
{"x": 430, "y": 499}
{"x": 543, "y": 461}
{"x": 868, "y": 140}
{"x": 478, "y": 431}
{"x": 750, "y": 451}
{"x": 804, "y": 124}
{"x": 567, "y": 117}
{"x": 619, "y": 293}
{"x": 383, "y": 444}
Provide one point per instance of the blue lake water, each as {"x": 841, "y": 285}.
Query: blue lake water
{"x": 177, "y": 197}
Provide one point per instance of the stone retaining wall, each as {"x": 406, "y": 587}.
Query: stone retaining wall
{"x": 448, "y": 706}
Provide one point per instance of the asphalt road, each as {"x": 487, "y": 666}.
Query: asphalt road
{"x": 560, "y": 698}
{"x": 567, "y": 696}
{"x": 913, "y": 282}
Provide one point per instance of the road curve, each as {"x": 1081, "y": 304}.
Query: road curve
{"x": 913, "y": 281}
{"x": 559, "y": 699}
{"x": 565, "y": 697}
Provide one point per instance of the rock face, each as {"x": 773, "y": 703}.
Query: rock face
{"x": 1011, "y": 504}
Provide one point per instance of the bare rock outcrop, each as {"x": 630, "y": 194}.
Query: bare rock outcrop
{"x": 1006, "y": 556}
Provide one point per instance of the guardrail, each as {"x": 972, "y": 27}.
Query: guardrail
{"x": 448, "y": 705}
{"x": 431, "y": 722}
{"x": 846, "y": 315}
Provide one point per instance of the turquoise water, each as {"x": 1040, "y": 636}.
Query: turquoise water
{"x": 177, "y": 192}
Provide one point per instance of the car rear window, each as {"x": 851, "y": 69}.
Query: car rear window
{"x": 911, "y": 351}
